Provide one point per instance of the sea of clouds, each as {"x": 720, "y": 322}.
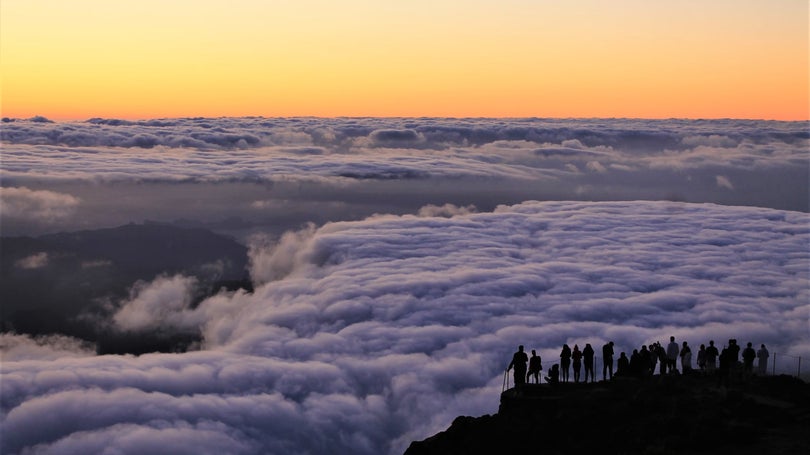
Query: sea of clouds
{"x": 397, "y": 264}
{"x": 259, "y": 174}
{"x": 362, "y": 336}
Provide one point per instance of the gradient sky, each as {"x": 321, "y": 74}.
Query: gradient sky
{"x": 155, "y": 58}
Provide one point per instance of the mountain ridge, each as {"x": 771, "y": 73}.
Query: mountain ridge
{"x": 51, "y": 283}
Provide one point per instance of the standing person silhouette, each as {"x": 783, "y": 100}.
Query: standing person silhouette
{"x": 565, "y": 362}
{"x": 645, "y": 360}
{"x": 519, "y": 360}
{"x": 686, "y": 357}
{"x": 724, "y": 371}
{"x": 711, "y": 357}
{"x": 535, "y": 366}
{"x": 672, "y": 355}
{"x": 607, "y": 360}
{"x": 748, "y": 359}
{"x": 763, "y": 355}
{"x": 587, "y": 355}
{"x": 701, "y": 357}
{"x": 623, "y": 365}
{"x": 653, "y": 356}
{"x": 662, "y": 359}
{"x": 734, "y": 349}
{"x": 734, "y": 355}
{"x": 576, "y": 356}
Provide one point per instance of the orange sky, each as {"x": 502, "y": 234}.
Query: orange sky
{"x": 154, "y": 58}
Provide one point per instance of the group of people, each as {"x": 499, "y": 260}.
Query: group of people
{"x": 642, "y": 362}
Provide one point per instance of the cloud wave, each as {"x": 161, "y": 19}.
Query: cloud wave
{"x": 366, "y": 335}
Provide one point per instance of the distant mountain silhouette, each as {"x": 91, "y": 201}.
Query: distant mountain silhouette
{"x": 669, "y": 415}
{"x": 48, "y": 281}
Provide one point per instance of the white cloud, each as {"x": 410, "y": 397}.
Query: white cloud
{"x": 724, "y": 182}
{"x": 595, "y": 166}
{"x": 35, "y": 261}
{"x": 15, "y": 348}
{"x": 270, "y": 263}
{"x": 447, "y": 210}
{"x": 155, "y": 305}
{"x": 38, "y": 205}
{"x": 362, "y": 336}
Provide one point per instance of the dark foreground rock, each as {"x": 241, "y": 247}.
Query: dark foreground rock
{"x": 669, "y": 415}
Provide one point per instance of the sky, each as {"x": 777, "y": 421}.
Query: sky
{"x": 460, "y": 58}
{"x": 420, "y": 187}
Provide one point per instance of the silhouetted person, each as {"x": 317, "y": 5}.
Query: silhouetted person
{"x": 701, "y": 357}
{"x": 553, "y": 374}
{"x": 534, "y": 368}
{"x": 635, "y": 364}
{"x": 734, "y": 355}
{"x": 724, "y": 371}
{"x": 763, "y": 355}
{"x": 519, "y": 360}
{"x": 645, "y": 360}
{"x": 576, "y": 357}
{"x": 734, "y": 350}
{"x": 748, "y": 356}
{"x": 565, "y": 362}
{"x": 607, "y": 360}
{"x": 587, "y": 357}
{"x": 662, "y": 359}
{"x": 672, "y": 355}
{"x": 711, "y": 357}
{"x": 686, "y": 358}
{"x": 653, "y": 357}
{"x": 623, "y": 365}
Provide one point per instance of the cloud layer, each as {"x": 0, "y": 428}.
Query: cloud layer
{"x": 366, "y": 335}
{"x": 243, "y": 175}
{"x": 373, "y": 148}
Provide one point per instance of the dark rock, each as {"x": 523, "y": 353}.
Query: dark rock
{"x": 660, "y": 415}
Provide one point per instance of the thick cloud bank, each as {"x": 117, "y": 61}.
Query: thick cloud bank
{"x": 366, "y": 335}
{"x": 258, "y": 172}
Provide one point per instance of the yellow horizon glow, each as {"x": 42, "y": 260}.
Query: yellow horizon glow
{"x": 71, "y": 60}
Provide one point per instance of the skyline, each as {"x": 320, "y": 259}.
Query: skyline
{"x": 78, "y": 60}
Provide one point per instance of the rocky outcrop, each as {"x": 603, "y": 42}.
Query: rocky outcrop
{"x": 660, "y": 415}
